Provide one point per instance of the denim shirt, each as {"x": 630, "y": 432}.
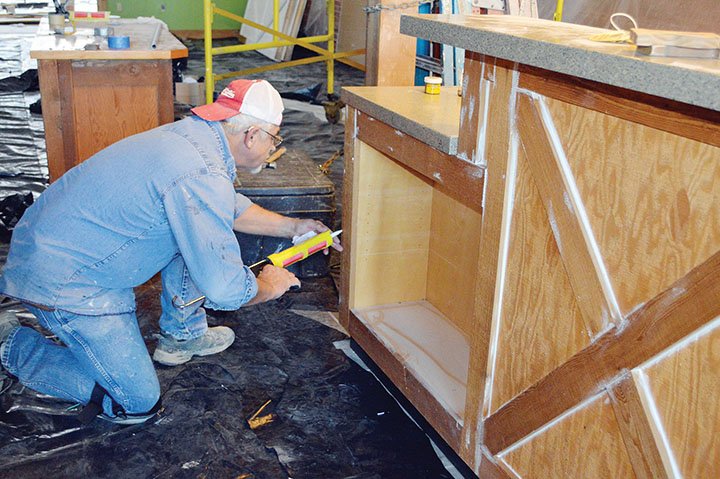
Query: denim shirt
{"x": 112, "y": 222}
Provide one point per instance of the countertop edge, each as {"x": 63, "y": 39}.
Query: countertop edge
{"x": 679, "y": 84}
{"x": 433, "y": 138}
{"x": 108, "y": 54}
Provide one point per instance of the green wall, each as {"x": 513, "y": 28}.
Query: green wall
{"x": 178, "y": 14}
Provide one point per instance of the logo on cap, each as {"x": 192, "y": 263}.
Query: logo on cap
{"x": 228, "y": 93}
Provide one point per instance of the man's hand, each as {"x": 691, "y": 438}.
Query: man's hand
{"x": 259, "y": 221}
{"x": 273, "y": 282}
{"x": 305, "y": 226}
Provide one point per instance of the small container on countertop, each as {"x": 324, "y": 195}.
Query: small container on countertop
{"x": 432, "y": 85}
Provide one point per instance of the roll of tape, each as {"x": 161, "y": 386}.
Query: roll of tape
{"x": 118, "y": 43}
{"x": 102, "y": 31}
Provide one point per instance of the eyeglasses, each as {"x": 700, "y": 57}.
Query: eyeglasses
{"x": 276, "y": 139}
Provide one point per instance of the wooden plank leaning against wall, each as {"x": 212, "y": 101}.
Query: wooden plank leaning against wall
{"x": 599, "y": 252}
{"x": 390, "y": 57}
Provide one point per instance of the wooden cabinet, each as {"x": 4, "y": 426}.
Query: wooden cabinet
{"x": 535, "y": 265}
{"x": 93, "y": 98}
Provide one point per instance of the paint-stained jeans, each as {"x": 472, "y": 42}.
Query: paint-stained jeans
{"x": 177, "y": 320}
{"x": 108, "y": 350}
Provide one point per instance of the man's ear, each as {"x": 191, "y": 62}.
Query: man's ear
{"x": 250, "y": 136}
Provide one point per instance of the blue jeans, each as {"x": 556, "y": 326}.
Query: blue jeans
{"x": 178, "y": 289}
{"x": 108, "y": 349}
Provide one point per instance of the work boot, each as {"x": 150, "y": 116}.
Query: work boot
{"x": 171, "y": 351}
{"x": 8, "y": 323}
{"x": 128, "y": 419}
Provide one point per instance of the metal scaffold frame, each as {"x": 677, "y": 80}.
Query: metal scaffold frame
{"x": 328, "y": 55}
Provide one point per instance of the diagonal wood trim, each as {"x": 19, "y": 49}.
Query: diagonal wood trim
{"x": 636, "y": 431}
{"x": 456, "y": 178}
{"x": 488, "y": 261}
{"x": 688, "y": 304}
{"x": 471, "y": 108}
{"x": 692, "y": 122}
{"x": 442, "y": 421}
{"x": 347, "y": 270}
{"x": 552, "y": 181}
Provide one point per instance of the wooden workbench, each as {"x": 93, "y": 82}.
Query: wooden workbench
{"x": 535, "y": 265}
{"x": 93, "y": 98}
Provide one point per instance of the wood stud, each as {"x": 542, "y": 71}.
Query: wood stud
{"x": 636, "y": 430}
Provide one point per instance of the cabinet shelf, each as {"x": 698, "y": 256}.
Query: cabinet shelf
{"x": 427, "y": 344}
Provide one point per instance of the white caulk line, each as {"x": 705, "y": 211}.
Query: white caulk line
{"x": 648, "y": 401}
{"x": 576, "y": 201}
{"x": 551, "y": 424}
{"x": 509, "y": 201}
{"x": 356, "y": 128}
{"x": 509, "y": 469}
{"x": 482, "y": 136}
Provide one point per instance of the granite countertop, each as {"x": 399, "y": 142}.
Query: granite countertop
{"x": 566, "y": 48}
{"x": 432, "y": 119}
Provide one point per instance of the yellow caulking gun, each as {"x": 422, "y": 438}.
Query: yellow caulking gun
{"x": 286, "y": 257}
{"x": 300, "y": 251}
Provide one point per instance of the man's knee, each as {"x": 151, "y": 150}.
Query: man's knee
{"x": 143, "y": 398}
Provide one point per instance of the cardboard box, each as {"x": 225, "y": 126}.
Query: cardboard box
{"x": 190, "y": 93}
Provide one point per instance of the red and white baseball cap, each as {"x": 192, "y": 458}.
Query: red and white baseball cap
{"x": 256, "y": 98}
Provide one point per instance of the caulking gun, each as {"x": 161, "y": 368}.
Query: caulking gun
{"x": 300, "y": 251}
{"x": 306, "y": 246}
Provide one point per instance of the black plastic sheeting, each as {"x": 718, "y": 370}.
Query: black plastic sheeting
{"x": 11, "y": 210}
{"x": 332, "y": 419}
{"x": 23, "y": 163}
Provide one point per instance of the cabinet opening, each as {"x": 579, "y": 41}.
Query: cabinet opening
{"x": 413, "y": 272}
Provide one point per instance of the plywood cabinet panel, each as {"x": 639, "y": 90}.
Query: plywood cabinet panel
{"x": 453, "y": 256}
{"x": 650, "y": 196}
{"x": 432, "y": 349}
{"x": 99, "y": 103}
{"x": 540, "y": 323}
{"x": 391, "y": 254}
{"x": 685, "y": 386}
{"x": 586, "y": 443}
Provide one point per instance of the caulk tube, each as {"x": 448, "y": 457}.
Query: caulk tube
{"x": 299, "y": 252}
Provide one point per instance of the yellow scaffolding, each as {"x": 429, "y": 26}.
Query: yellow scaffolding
{"x": 328, "y": 55}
